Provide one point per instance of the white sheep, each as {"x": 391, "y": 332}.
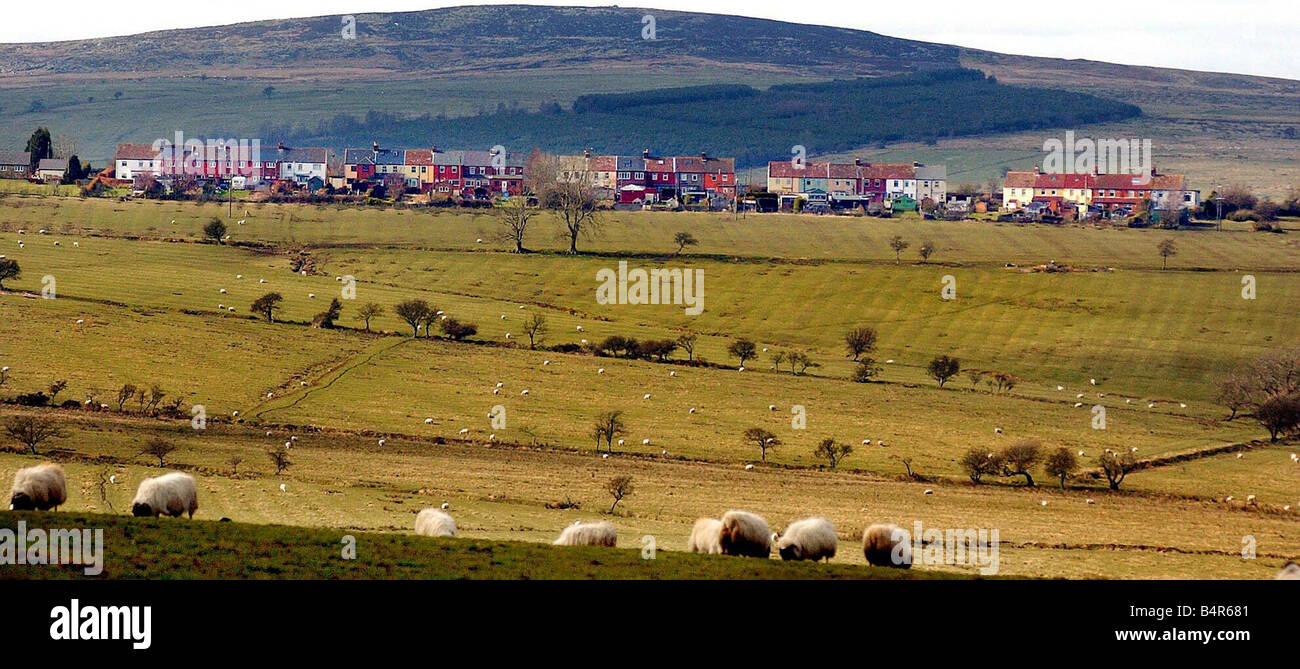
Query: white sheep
{"x": 885, "y": 545}
{"x": 808, "y": 539}
{"x": 744, "y": 533}
{"x": 434, "y": 523}
{"x": 172, "y": 494}
{"x": 706, "y": 536}
{"x": 40, "y": 487}
{"x": 1290, "y": 572}
{"x": 600, "y": 533}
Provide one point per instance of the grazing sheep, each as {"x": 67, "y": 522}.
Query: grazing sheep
{"x": 808, "y": 539}
{"x": 746, "y": 534}
{"x": 1290, "y": 572}
{"x": 172, "y": 494}
{"x": 880, "y": 542}
{"x": 41, "y": 487}
{"x": 706, "y": 536}
{"x": 434, "y": 523}
{"x": 588, "y": 534}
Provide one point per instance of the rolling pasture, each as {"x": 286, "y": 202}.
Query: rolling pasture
{"x": 151, "y": 306}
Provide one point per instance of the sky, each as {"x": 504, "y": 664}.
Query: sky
{"x": 1240, "y": 36}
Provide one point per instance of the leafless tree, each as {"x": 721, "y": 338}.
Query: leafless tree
{"x": 32, "y": 431}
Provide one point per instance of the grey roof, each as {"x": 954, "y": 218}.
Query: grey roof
{"x": 53, "y": 164}
{"x": 932, "y": 172}
{"x": 448, "y": 157}
{"x": 300, "y": 154}
{"x": 631, "y": 164}
{"x": 390, "y": 157}
{"x": 358, "y": 156}
{"x": 15, "y": 158}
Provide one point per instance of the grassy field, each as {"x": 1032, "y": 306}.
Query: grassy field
{"x": 148, "y": 299}
{"x": 166, "y": 549}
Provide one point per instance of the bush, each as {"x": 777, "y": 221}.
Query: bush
{"x": 458, "y": 330}
{"x": 1244, "y": 215}
{"x": 980, "y": 462}
{"x": 37, "y": 399}
{"x": 866, "y": 371}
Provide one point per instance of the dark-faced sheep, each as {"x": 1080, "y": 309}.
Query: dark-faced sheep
{"x": 887, "y": 546}
{"x": 588, "y": 534}
{"x": 808, "y": 539}
{"x": 745, "y": 534}
{"x": 705, "y": 536}
{"x": 41, "y": 487}
{"x": 434, "y": 523}
{"x": 171, "y": 494}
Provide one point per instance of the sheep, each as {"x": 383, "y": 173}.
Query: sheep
{"x": 1290, "y": 572}
{"x": 808, "y": 539}
{"x": 42, "y": 487}
{"x": 434, "y": 523}
{"x": 171, "y": 494}
{"x": 705, "y": 537}
{"x": 588, "y": 534}
{"x": 746, "y": 534}
{"x": 885, "y": 545}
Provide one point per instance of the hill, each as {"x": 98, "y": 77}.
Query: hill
{"x": 470, "y": 61}
{"x": 138, "y": 548}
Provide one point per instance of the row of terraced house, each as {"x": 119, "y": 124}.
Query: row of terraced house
{"x": 859, "y": 182}
{"x": 1075, "y": 193}
{"x": 460, "y": 173}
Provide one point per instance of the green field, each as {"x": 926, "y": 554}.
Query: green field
{"x": 166, "y": 549}
{"x": 148, "y": 294}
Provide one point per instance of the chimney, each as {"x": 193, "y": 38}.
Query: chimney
{"x": 374, "y": 146}
{"x": 857, "y": 161}
{"x": 279, "y": 146}
{"x": 704, "y": 156}
{"x": 645, "y": 153}
{"x": 586, "y": 153}
{"x": 916, "y": 164}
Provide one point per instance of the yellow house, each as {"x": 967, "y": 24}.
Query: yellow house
{"x": 1018, "y": 189}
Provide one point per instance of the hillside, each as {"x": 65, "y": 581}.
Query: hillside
{"x": 473, "y": 61}
{"x": 166, "y": 548}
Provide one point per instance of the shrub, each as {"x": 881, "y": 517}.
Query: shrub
{"x": 980, "y": 462}
{"x": 866, "y": 370}
{"x": 458, "y": 330}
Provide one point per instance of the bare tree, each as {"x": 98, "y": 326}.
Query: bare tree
{"x": 413, "y": 312}
{"x": 32, "y": 431}
{"x": 763, "y": 439}
{"x": 1166, "y": 248}
{"x": 1115, "y": 467}
{"x": 832, "y": 452}
{"x": 684, "y": 239}
{"x": 234, "y": 462}
{"x": 686, "y": 342}
{"x": 618, "y": 487}
{"x": 926, "y": 249}
{"x": 535, "y": 328}
{"x": 743, "y": 349}
{"x": 860, "y": 340}
{"x": 515, "y": 217}
{"x": 280, "y": 458}
{"x": 942, "y": 368}
{"x": 368, "y": 311}
{"x": 608, "y": 426}
{"x": 1061, "y": 464}
{"x": 1020, "y": 458}
{"x": 980, "y": 462}
{"x": 157, "y": 447}
{"x": 898, "y": 244}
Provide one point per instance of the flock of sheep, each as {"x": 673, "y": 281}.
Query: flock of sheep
{"x": 44, "y": 487}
